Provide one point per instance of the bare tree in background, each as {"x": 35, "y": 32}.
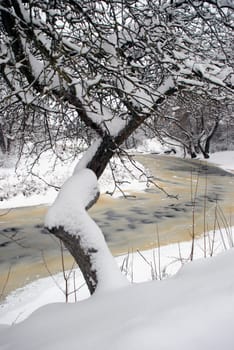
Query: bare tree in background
{"x": 192, "y": 120}
{"x": 108, "y": 66}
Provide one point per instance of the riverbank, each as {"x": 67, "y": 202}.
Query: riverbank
{"x": 174, "y": 255}
{"x": 145, "y": 220}
{"x": 142, "y": 266}
{"x": 30, "y": 182}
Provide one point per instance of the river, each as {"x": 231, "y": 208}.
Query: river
{"x": 140, "y": 221}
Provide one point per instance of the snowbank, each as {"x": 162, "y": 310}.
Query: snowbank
{"x": 225, "y": 160}
{"x": 142, "y": 266}
{"x": 193, "y": 310}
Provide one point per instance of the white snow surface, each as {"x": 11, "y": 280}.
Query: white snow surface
{"x": 83, "y": 162}
{"x": 75, "y": 195}
{"x": 223, "y": 159}
{"x": 192, "y": 310}
{"x": 35, "y": 183}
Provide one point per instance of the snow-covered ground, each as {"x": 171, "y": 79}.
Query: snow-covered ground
{"x": 139, "y": 267}
{"x": 224, "y": 159}
{"x": 192, "y": 309}
{"x": 33, "y": 183}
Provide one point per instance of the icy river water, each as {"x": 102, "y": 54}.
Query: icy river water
{"x": 138, "y": 222}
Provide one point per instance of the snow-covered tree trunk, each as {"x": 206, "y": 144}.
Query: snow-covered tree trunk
{"x": 68, "y": 220}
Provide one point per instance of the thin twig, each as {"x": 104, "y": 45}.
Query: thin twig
{"x": 14, "y": 240}
{"x": 6, "y": 282}
{"x": 7, "y": 212}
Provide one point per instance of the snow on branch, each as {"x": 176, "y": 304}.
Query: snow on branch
{"x": 211, "y": 73}
{"x": 69, "y": 212}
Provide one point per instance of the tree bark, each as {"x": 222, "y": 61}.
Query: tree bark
{"x": 3, "y": 145}
{"x": 82, "y": 257}
{"x": 208, "y": 140}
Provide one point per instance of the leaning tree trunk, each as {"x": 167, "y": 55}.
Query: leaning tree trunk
{"x": 87, "y": 254}
{"x": 69, "y": 221}
{"x": 82, "y": 257}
